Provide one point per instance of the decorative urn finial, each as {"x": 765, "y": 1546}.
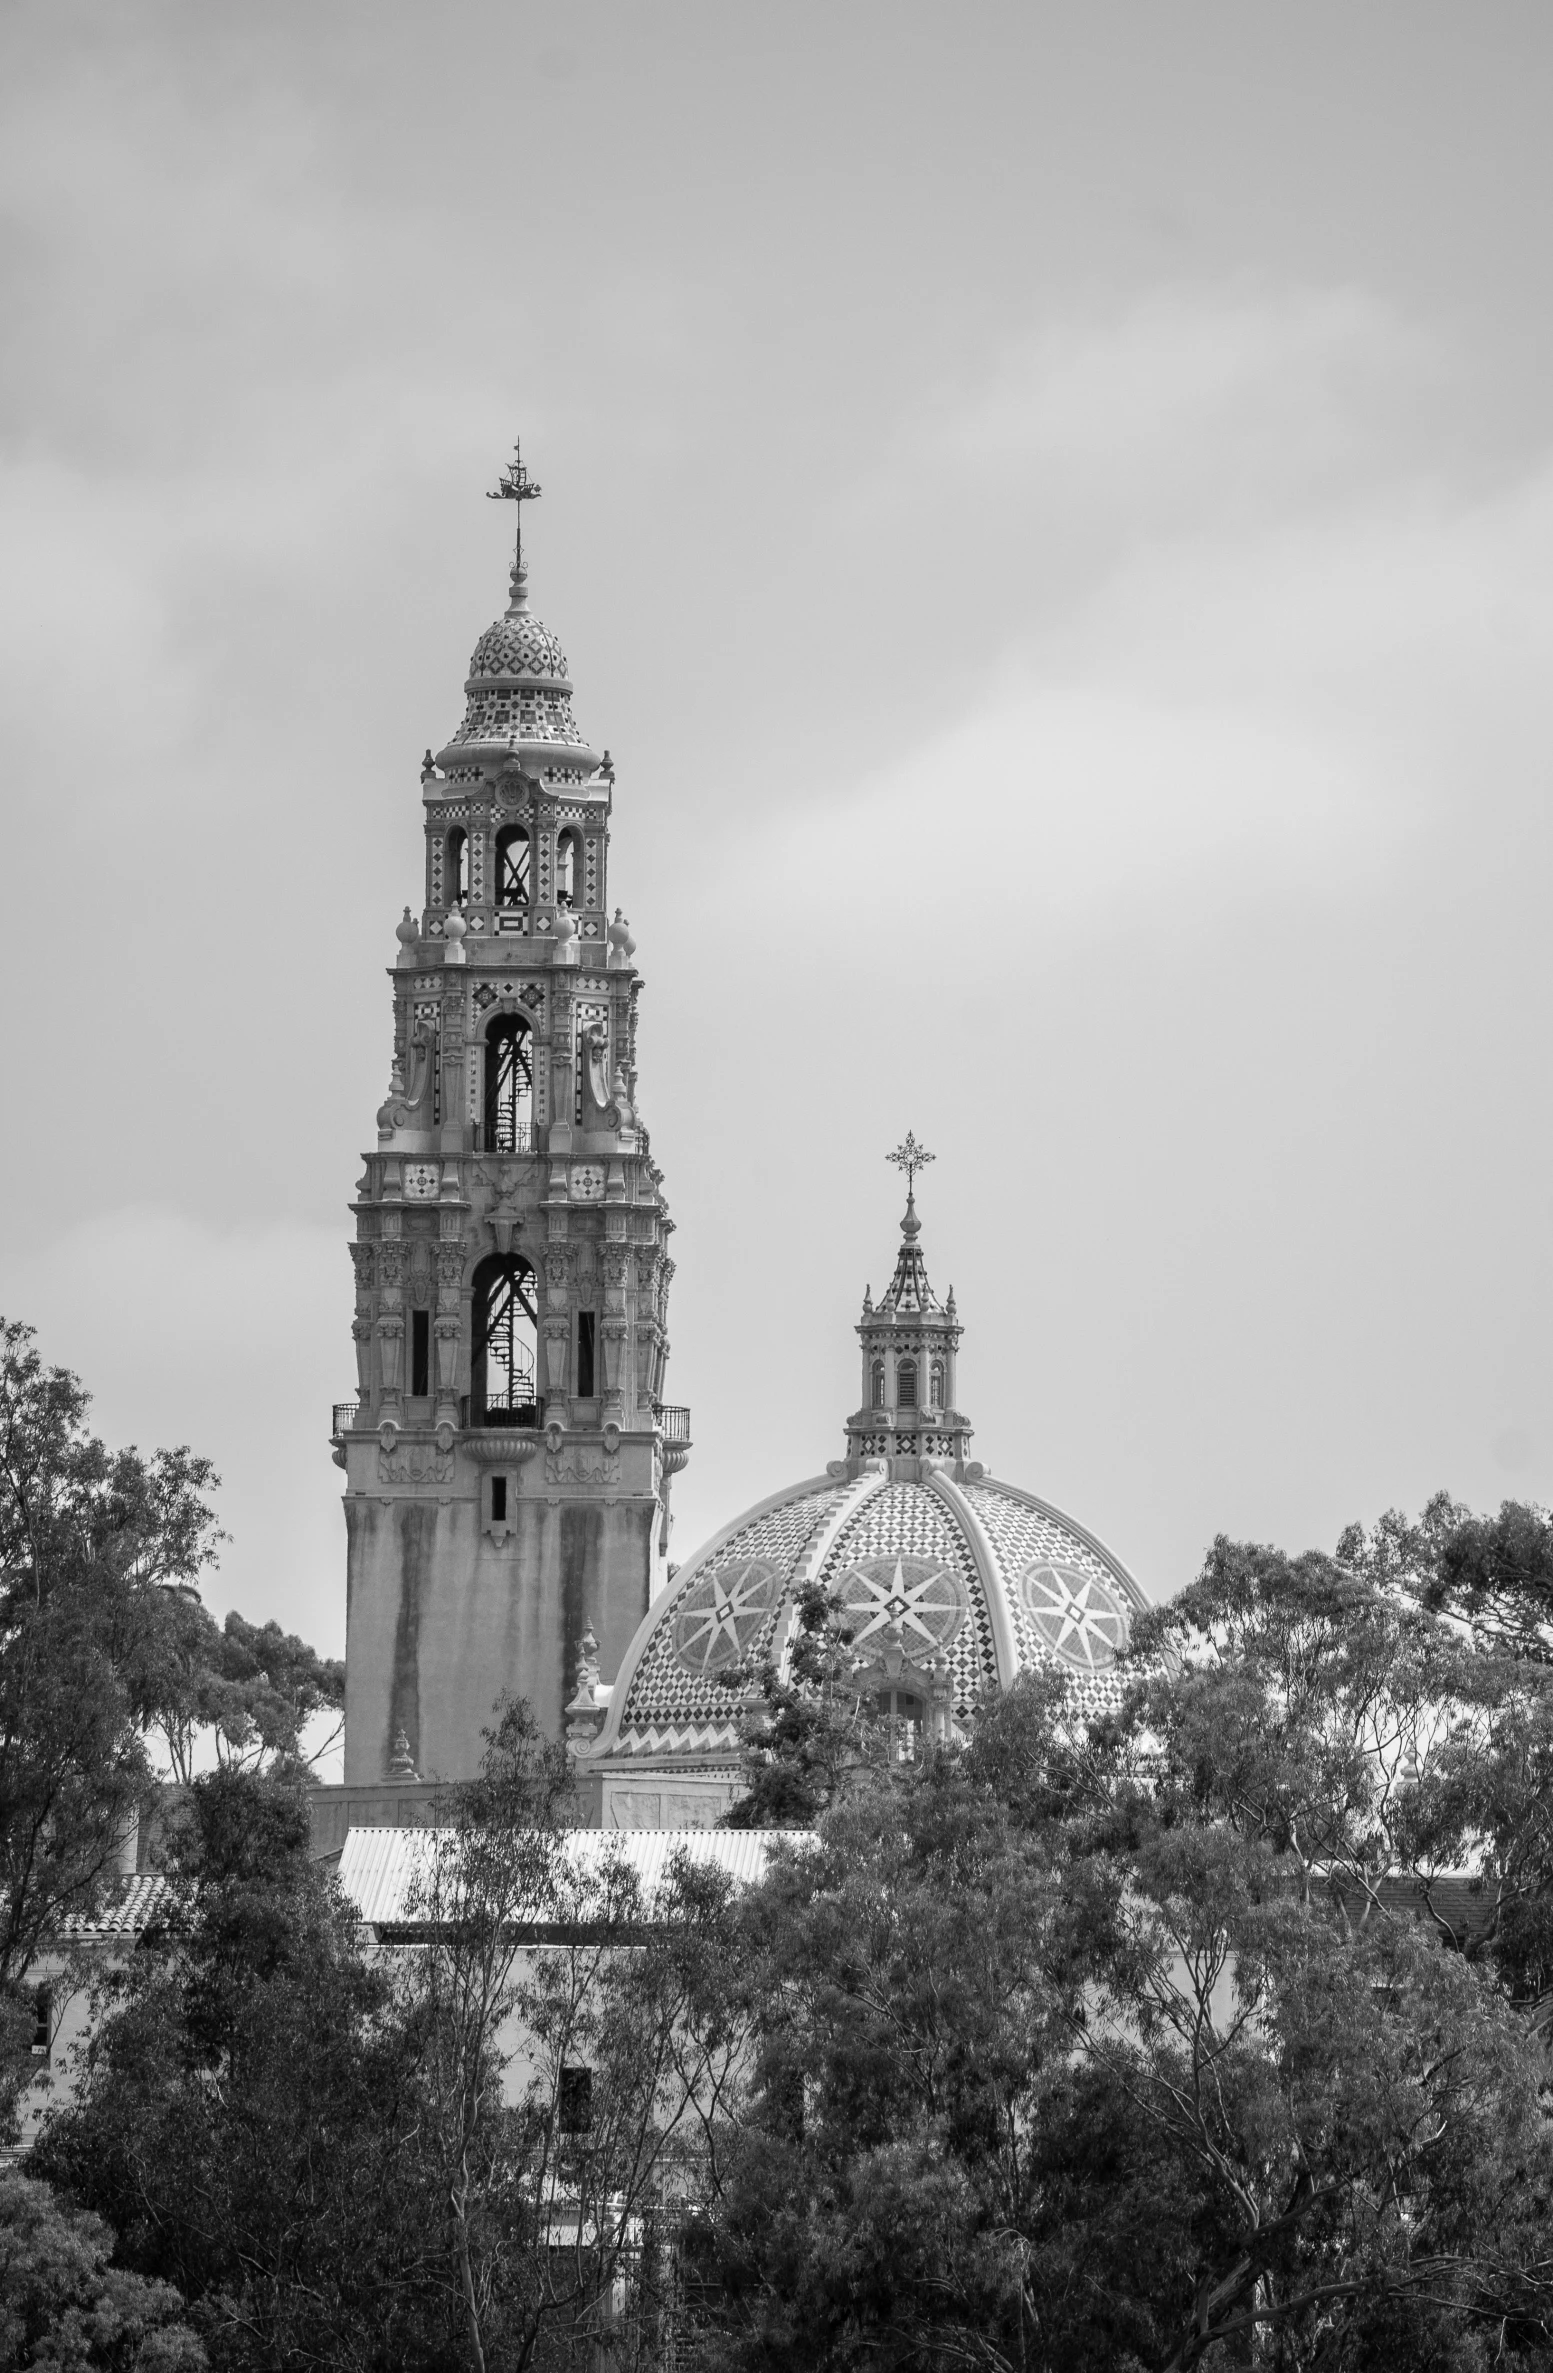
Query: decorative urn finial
{"x": 401, "y": 1763}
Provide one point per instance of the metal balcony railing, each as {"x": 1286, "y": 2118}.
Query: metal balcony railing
{"x": 497, "y": 1413}
{"x": 517, "y": 1138}
{"x": 344, "y": 1416}
{"x": 673, "y": 1423}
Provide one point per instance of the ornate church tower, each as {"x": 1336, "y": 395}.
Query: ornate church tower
{"x": 508, "y": 1458}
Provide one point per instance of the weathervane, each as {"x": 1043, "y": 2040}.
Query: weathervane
{"x": 910, "y": 1157}
{"x": 515, "y": 486}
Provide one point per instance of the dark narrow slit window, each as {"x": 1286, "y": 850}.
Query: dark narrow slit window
{"x": 585, "y": 1336}
{"x": 455, "y": 872}
{"x": 576, "y": 2102}
{"x": 42, "y": 2022}
{"x": 876, "y": 1384}
{"x": 420, "y": 1351}
{"x": 509, "y": 1086}
{"x": 498, "y": 1499}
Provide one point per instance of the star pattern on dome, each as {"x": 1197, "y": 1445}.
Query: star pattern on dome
{"x": 922, "y": 1602}
{"x": 1074, "y": 1614}
{"x": 723, "y": 1613}
{"x": 890, "y": 1552}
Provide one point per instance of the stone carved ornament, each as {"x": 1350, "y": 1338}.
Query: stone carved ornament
{"x": 408, "y": 1104}
{"x": 578, "y": 1468}
{"x": 410, "y": 1462}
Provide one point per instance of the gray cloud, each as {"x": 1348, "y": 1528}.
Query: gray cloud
{"x": 1051, "y": 512}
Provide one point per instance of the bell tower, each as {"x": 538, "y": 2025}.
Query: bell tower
{"x": 508, "y": 1454}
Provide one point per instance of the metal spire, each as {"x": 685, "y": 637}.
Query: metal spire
{"x": 515, "y": 486}
{"x": 910, "y": 1157}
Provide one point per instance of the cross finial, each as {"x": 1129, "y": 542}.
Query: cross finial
{"x": 910, "y": 1157}
{"x": 515, "y": 486}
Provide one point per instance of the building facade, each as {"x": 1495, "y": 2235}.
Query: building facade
{"x": 508, "y": 1454}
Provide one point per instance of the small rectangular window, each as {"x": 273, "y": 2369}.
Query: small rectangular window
{"x": 575, "y": 2107}
{"x": 420, "y": 1352}
{"x": 498, "y": 1499}
{"x": 585, "y": 1333}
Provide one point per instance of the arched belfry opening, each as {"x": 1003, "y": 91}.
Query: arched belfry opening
{"x": 455, "y": 876}
{"x": 513, "y": 865}
{"x": 503, "y": 1343}
{"x": 507, "y": 1121}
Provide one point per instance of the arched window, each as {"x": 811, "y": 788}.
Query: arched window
{"x": 876, "y": 1384}
{"x": 455, "y": 874}
{"x": 568, "y": 867}
{"x": 906, "y": 1384}
{"x": 936, "y": 1385}
{"x": 503, "y": 1343}
{"x": 509, "y": 1086}
{"x": 512, "y": 865}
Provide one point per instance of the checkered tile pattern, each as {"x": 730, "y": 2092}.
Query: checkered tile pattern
{"x": 1025, "y": 1537}
{"x": 728, "y": 1608}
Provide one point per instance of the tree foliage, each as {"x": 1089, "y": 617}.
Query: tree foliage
{"x": 1210, "y": 2035}
{"x": 808, "y": 1730}
{"x": 249, "y": 1691}
{"x": 248, "y": 2107}
{"x": 576, "y": 2055}
{"x": 89, "y": 1541}
{"x": 105, "y": 1650}
{"x": 1169, "y": 2042}
{"x": 66, "y": 2308}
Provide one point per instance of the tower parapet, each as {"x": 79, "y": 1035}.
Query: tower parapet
{"x": 508, "y": 1455}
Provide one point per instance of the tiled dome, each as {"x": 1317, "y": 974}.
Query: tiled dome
{"x": 938, "y": 1568}
{"x": 519, "y": 646}
{"x": 518, "y": 693}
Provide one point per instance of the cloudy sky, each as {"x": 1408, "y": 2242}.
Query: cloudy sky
{"x": 1051, "y": 507}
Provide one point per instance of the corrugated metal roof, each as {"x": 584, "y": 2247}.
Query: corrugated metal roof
{"x": 379, "y": 1868}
